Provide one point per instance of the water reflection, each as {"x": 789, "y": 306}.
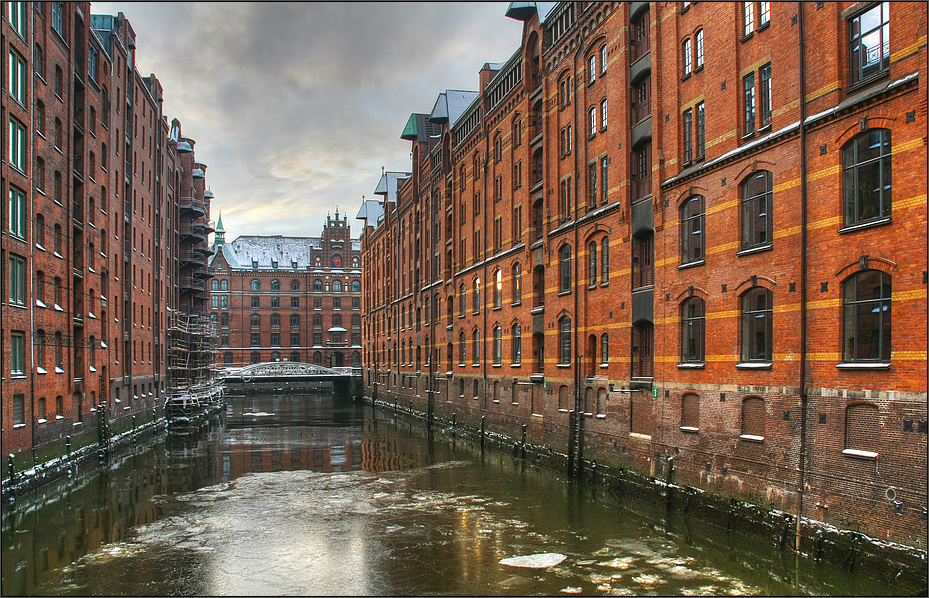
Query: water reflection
{"x": 316, "y": 495}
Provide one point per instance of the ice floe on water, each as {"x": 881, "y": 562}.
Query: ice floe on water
{"x": 259, "y": 414}
{"x": 542, "y": 560}
{"x": 571, "y": 590}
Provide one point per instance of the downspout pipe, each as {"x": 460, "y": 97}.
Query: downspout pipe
{"x": 578, "y": 429}
{"x": 801, "y": 465}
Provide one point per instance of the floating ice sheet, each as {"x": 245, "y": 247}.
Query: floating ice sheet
{"x": 542, "y": 560}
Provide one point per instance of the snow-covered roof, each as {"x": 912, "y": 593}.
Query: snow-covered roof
{"x": 265, "y": 250}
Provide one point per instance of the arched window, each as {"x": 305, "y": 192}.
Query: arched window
{"x": 693, "y": 332}
{"x": 757, "y": 328}
{"x": 693, "y": 240}
{"x": 564, "y": 340}
{"x": 690, "y": 412}
{"x": 255, "y": 285}
{"x": 356, "y": 286}
{"x": 603, "y": 118}
{"x": 753, "y": 418}
{"x": 462, "y": 348}
{"x": 294, "y": 284}
{"x": 476, "y": 346}
{"x": 462, "y": 301}
{"x": 214, "y": 285}
{"x": 317, "y": 321}
{"x": 224, "y": 320}
{"x": 295, "y": 320}
{"x": 517, "y": 283}
{"x": 866, "y": 179}
{"x": 866, "y": 317}
{"x": 564, "y": 268}
{"x": 337, "y": 286}
{"x": 275, "y": 356}
{"x": 756, "y": 193}
{"x": 275, "y": 320}
{"x": 861, "y": 422}
{"x": 477, "y": 295}
{"x": 317, "y": 286}
{"x": 687, "y": 56}
{"x": 224, "y": 285}
{"x": 255, "y": 357}
{"x": 256, "y": 321}
{"x": 604, "y": 349}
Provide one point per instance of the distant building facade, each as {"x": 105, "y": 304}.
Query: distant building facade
{"x": 276, "y": 298}
{"x": 686, "y": 239}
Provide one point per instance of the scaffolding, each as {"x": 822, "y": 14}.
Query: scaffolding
{"x": 195, "y": 384}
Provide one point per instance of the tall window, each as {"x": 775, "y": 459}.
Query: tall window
{"x": 477, "y": 295}
{"x": 17, "y": 212}
{"x": 592, "y": 117}
{"x": 604, "y": 180}
{"x": 686, "y": 54}
{"x": 603, "y": 114}
{"x": 476, "y": 347}
{"x": 699, "y": 44}
{"x": 748, "y": 94}
{"x": 255, "y": 285}
{"x": 866, "y": 317}
{"x": 462, "y": 348}
{"x": 592, "y": 184}
{"x": 592, "y": 68}
{"x": 869, "y": 43}
{"x": 693, "y": 239}
{"x": 498, "y": 289}
{"x": 756, "y": 194}
{"x": 687, "y": 134}
{"x": 517, "y": 282}
{"x": 516, "y": 340}
{"x": 592, "y": 263}
{"x": 564, "y": 340}
{"x": 757, "y": 329}
{"x": 701, "y": 131}
{"x": 866, "y": 181}
{"x": 764, "y": 108}
{"x": 605, "y": 260}
{"x": 764, "y": 16}
{"x": 17, "y": 16}
{"x": 693, "y": 327}
{"x": 748, "y": 17}
{"x": 17, "y": 280}
{"x": 498, "y": 345}
{"x": 462, "y": 301}
{"x": 17, "y": 147}
{"x": 17, "y": 82}
{"x": 58, "y": 17}
{"x": 17, "y": 354}
{"x": 604, "y": 349}
{"x": 564, "y": 268}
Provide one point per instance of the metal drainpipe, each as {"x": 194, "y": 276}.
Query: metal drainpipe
{"x": 483, "y": 291}
{"x": 803, "y": 277}
{"x": 577, "y": 431}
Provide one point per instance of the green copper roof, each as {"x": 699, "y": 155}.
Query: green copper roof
{"x": 409, "y": 131}
{"x": 219, "y": 223}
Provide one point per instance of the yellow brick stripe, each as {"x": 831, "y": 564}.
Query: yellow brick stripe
{"x": 907, "y": 51}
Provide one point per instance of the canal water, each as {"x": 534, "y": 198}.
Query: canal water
{"x": 318, "y": 495}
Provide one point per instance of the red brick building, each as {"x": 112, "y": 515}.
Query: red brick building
{"x": 677, "y": 235}
{"x": 277, "y": 298}
{"x": 92, "y": 176}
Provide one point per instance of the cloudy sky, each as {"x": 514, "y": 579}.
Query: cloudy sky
{"x": 295, "y": 107}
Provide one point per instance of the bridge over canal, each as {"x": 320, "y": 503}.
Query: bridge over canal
{"x": 290, "y": 371}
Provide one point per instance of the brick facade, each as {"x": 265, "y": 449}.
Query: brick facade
{"x": 698, "y": 227}
{"x": 97, "y": 239}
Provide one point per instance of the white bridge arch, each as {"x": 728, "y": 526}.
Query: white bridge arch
{"x": 287, "y": 369}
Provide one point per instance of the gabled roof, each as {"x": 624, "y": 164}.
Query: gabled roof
{"x": 523, "y": 11}
{"x": 387, "y": 185}
{"x": 451, "y": 104}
